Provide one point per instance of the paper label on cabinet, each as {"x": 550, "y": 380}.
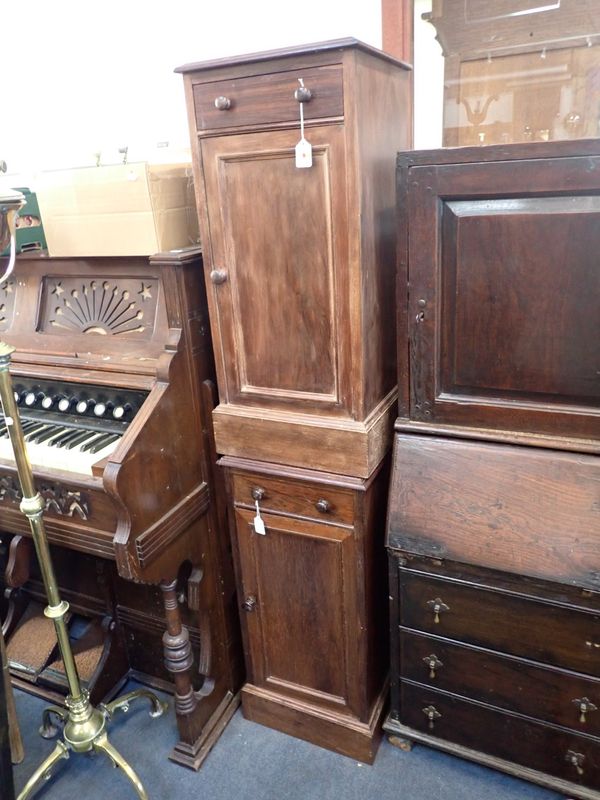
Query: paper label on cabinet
{"x": 303, "y": 154}
{"x": 259, "y": 524}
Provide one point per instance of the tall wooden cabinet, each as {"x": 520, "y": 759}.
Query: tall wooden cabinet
{"x": 493, "y": 525}
{"x": 300, "y": 269}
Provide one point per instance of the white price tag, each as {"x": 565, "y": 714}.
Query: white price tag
{"x": 259, "y": 523}
{"x": 303, "y": 153}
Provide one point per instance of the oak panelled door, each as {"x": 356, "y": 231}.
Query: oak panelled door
{"x": 280, "y": 252}
{"x": 305, "y": 618}
{"x": 504, "y": 309}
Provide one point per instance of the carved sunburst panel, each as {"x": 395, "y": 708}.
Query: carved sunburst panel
{"x": 7, "y": 303}
{"x": 104, "y": 306}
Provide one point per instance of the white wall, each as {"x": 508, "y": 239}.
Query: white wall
{"x": 428, "y": 82}
{"x": 80, "y": 76}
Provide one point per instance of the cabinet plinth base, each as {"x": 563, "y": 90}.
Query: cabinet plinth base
{"x": 341, "y": 446}
{"x": 323, "y": 727}
{"x": 193, "y": 755}
{"x": 572, "y": 790}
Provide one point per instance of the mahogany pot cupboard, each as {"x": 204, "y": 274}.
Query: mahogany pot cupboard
{"x": 300, "y": 270}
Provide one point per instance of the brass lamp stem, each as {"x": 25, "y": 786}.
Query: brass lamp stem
{"x": 84, "y": 725}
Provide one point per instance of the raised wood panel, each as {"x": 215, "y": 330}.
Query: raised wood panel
{"x": 278, "y": 233}
{"x": 301, "y": 577}
{"x": 531, "y": 261}
{"x": 503, "y": 310}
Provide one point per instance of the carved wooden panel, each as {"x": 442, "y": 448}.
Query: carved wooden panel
{"x": 106, "y": 306}
{"x": 7, "y": 303}
{"x": 58, "y": 498}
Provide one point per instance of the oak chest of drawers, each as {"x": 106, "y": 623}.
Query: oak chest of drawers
{"x": 498, "y": 668}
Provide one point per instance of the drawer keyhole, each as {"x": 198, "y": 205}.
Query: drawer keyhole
{"x": 437, "y": 606}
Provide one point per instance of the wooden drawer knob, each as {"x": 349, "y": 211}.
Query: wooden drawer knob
{"x": 222, "y": 103}
{"x": 303, "y": 95}
{"x": 324, "y": 506}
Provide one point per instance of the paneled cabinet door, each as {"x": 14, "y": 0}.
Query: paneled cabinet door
{"x": 504, "y": 294}
{"x": 300, "y": 610}
{"x": 278, "y": 271}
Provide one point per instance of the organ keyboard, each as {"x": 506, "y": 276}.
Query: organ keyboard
{"x": 110, "y": 369}
{"x": 70, "y": 427}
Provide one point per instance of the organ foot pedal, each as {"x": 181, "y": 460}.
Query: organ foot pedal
{"x": 84, "y": 728}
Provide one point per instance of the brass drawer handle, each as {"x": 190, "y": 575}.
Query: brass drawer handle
{"x": 437, "y": 607}
{"x": 222, "y": 103}
{"x": 258, "y": 493}
{"x": 322, "y": 505}
{"x": 249, "y": 603}
{"x": 433, "y": 663}
{"x": 585, "y": 706}
{"x": 576, "y": 759}
{"x": 432, "y": 714}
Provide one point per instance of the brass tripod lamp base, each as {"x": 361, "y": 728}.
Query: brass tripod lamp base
{"x": 84, "y": 728}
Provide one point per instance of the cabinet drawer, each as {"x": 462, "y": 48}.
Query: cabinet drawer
{"x": 263, "y": 99}
{"x": 294, "y": 498}
{"x": 515, "y": 739}
{"x": 500, "y": 621}
{"x": 509, "y": 683}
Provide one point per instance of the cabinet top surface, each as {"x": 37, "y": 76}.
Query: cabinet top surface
{"x": 294, "y": 51}
{"x": 500, "y": 152}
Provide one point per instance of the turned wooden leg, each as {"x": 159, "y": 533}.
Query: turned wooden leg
{"x": 178, "y": 652}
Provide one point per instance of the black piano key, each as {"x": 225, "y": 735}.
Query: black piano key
{"x": 65, "y": 437}
{"x": 43, "y": 437}
{"x": 78, "y": 439}
{"x": 28, "y": 425}
{"x": 112, "y": 437}
{"x": 96, "y": 440}
{"x": 39, "y": 428}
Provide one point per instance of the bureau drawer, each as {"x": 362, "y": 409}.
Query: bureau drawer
{"x": 545, "y": 693}
{"x": 557, "y": 752}
{"x": 264, "y": 99}
{"x": 508, "y": 623}
{"x": 294, "y": 498}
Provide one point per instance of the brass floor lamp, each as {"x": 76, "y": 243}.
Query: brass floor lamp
{"x": 84, "y": 725}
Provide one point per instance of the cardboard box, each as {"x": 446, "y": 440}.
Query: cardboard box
{"x": 119, "y": 210}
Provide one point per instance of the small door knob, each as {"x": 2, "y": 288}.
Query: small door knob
{"x": 222, "y": 103}
{"x": 218, "y": 276}
{"x": 324, "y": 506}
{"x": 249, "y": 603}
{"x": 258, "y": 493}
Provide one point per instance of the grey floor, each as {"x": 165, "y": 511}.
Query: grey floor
{"x": 251, "y": 762}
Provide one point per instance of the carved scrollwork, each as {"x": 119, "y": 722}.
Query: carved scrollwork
{"x": 57, "y": 498}
{"x": 108, "y": 307}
